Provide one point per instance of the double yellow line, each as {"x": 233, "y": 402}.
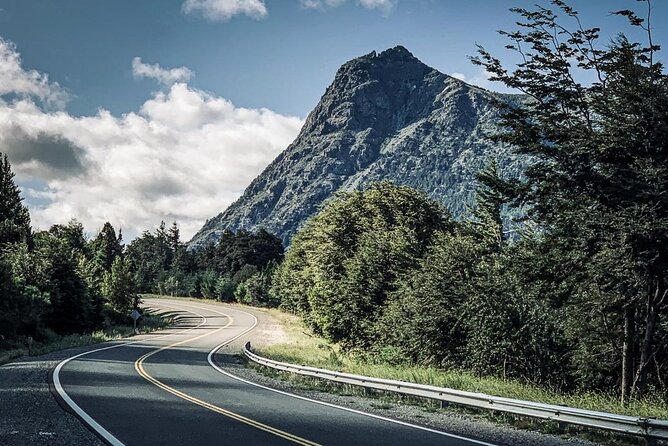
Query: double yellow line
{"x": 139, "y": 367}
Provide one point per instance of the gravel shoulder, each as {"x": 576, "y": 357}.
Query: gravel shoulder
{"x": 29, "y": 414}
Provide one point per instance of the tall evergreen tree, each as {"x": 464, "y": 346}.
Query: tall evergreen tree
{"x": 107, "y": 246}
{"x": 174, "y": 237}
{"x": 489, "y": 199}
{"x": 14, "y": 216}
{"x": 163, "y": 249}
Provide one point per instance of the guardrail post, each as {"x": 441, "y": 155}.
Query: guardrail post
{"x": 562, "y": 426}
{"x": 444, "y": 404}
{"x": 649, "y": 441}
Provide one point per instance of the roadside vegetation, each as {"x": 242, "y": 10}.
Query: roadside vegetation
{"x": 60, "y": 289}
{"x": 18, "y": 348}
{"x": 575, "y": 302}
{"x": 57, "y": 288}
{"x": 304, "y": 348}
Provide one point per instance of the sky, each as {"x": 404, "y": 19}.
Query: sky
{"x": 137, "y": 111}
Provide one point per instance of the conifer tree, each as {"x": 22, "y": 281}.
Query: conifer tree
{"x": 174, "y": 237}
{"x": 107, "y": 246}
{"x": 14, "y": 216}
{"x": 489, "y": 199}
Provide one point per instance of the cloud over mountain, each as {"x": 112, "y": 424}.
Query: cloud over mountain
{"x": 182, "y": 154}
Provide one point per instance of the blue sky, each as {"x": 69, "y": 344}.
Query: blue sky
{"x": 262, "y": 66}
{"x": 282, "y": 61}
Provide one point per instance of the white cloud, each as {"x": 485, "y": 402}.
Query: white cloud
{"x": 385, "y": 6}
{"x": 19, "y": 82}
{"x": 321, "y": 4}
{"x": 184, "y": 155}
{"x": 166, "y": 76}
{"x": 223, "y": 10}
{"x": 480, "y": 79}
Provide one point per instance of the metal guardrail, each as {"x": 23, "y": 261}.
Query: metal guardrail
{"x": 649, "y": 428}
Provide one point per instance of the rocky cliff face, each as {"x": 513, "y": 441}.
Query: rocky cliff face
{"x": 386, "y": 116}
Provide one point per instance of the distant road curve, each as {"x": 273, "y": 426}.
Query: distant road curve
{"x": 166, "y": 389}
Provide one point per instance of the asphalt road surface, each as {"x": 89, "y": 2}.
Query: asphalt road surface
{"x": 165, "y": 389}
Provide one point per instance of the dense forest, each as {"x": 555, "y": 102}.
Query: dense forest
{"x": 576, "y": 300}
{"x": 59, "y": 282}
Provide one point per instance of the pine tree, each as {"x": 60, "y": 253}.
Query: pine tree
{"x": 174, "y": 237}
{"x": 14, "y": 216}
{"x": 489, "y": 199}
{"x": 107, "y": 246}
{"x": 163, "y": 249}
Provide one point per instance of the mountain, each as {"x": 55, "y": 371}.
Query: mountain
{"x": 386, "y": 116}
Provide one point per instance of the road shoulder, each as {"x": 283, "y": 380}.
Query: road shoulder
{"x": 30, "y": 415}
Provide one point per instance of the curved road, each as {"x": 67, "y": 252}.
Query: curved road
{"x": 166, "y": 389}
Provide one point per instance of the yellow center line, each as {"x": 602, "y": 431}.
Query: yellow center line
{"x": 139, "y": 367}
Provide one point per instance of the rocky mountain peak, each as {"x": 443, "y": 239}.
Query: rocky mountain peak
{"x": 378, "y": 91}
{"x": 398, "y": 53}
{"x": 386, "y": 116}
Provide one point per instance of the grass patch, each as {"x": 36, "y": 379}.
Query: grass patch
{"x": 149, "y": 322}
{"x": 307, "y": 349}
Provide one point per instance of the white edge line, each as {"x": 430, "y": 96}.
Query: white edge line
{"x": 323, "y": 403}
{"x": 108, "y": 436}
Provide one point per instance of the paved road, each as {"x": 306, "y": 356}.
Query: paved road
{"x": 162, "y": 389}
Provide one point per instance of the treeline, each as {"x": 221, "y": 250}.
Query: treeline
{"x": 579, "y": 298}
{"x": 390, "y": 276}
{"x": 387, "y": 274}
{"x": 58, "y": 282}
{"x": 237, "y": 267}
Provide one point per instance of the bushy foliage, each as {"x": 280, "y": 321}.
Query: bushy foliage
{"x": 255, "y": 290}
{"x": 578, "y": 298}
{"x": 597, "y": 183}
{"x": 119, "y": 288}
{"x": 345, "y": 262}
